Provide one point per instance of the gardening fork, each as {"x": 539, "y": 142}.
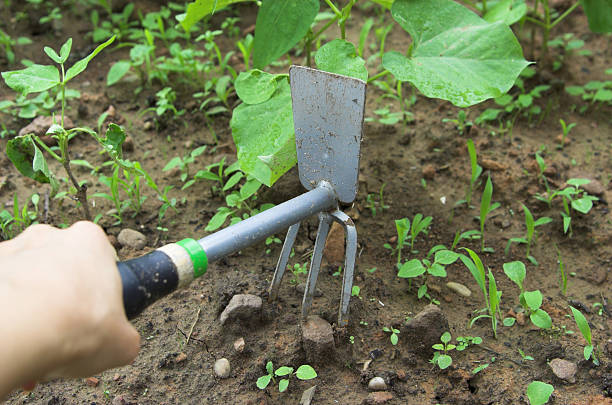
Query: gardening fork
{"x": 328, "y": 112}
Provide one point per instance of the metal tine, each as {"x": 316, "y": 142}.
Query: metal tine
{"x": 325, "y": 220}
{"x": 350, "y": 256}
{"x": 283, "y": 259}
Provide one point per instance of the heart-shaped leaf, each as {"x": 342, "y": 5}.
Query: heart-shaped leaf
{"x": 339, "y": 56}
{"x": 33, "y": 79}
{"x": 410, "y": 269}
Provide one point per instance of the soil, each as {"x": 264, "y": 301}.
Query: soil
{"x": 424, "y": 168}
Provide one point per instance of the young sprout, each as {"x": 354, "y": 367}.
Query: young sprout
{"x": 394, "y": 338}
{"x": 585, "y": 329}
{"x": 566, "y": 130}
{"x": 485, "y": 209}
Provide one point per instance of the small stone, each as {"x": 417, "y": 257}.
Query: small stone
{"x": 377, "y": 398}
{"x": 41, "y": 124}
{"x": 424, "y": 330}
{"x": 566, "y": 141}
{"x": 565, "y": 370}
{"x": 180, "y": 357}
{"x": 594, "y": 187}
{"x": 242, "y": 306}
{"x": 459, "y": 289}
{"x": 239, "y": 345}
{"x": 520, "y": 318}
{"x": 301, "y": 288}
{"x": 429, "y": 171}
{"x": 132, "y": 239}
{"x": 120, "y": 400}
{"x": 377, "y": 384}
{"x": 92, "y": 382}
{"x": 116, "y": 377}
{"x": 493, "y": 165}
{"x": 334, "y": 246}
{"x": 308, "y": 395}
{"x": 402, "y": 375}
{"x": 222, "y": 368}
{"x": 148, "y": 125}
{"x": 318, "y": 339}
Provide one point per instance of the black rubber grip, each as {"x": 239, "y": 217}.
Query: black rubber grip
{"x": 145, "y": 280}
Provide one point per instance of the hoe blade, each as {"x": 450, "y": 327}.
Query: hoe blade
{"x": 328, "y": 114}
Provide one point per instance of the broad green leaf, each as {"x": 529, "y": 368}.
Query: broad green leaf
{"x": 599, "y": 14}
{"x": 117, "y": 71}
{"x": 410, "y": 269}
{"x": 394, "y": 339}
{"x": 437, "y": 270}
{"x": 444, "y": 361}
{"x": 256, "y": 86}
{"x": 603, "y": 95}
{"x": 385, "y": 3}
{"x": 516, "y": 272}
{"x": 588, "y": 351}
{"x": 541, "y": 319}
{"x": 200, "y": 9}
{"x": 339, "y": 56}
{"x": 33, "y": 79}
{"x": 457, "y": 56}
{"x": 446, "y": 257}
{"x": 446, "y": 337}
{"x": 28, "y": 159}
{"x": 82, "y": 64}
{"x": 174, "y": 162}
{"x": 264, "y": 136}
{"x": 284, "y": 370}
{"x": 263, "y": 381}
{"x": 582, "y": 323}
{"x": 509, "y": 321}
{"x": 232, "y": 181}
{"x": 305, "y": 372}
{"x": 533, "y": 299}
{"x": 582, "y": 205}
{"x": 506, "y": 11}
{"x": 280, "y": 25}
{"x": 113, "y": 141}
{"x": 578, "y": 182}
{"x": 539, "y": 392}
{"x": 217, "y": 220}
{"x": 283, "y": 384}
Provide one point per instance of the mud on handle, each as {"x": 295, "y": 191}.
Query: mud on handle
{"x": 148, "y": 278}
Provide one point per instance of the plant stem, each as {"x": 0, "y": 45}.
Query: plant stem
{"x": 334, "y": 8}
{"x": 565, "y": 14}
{"x": 378, "y": 75}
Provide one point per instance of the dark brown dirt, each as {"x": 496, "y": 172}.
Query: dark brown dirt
{"x": 171, "y": 370}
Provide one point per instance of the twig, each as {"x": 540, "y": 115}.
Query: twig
{"x": 193, "y": 325}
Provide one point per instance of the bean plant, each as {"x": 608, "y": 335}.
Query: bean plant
{"x": 531, "y": 301}
{"x": 304, "y": 372}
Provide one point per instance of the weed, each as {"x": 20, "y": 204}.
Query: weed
{"x": 7, "y": 44}
{"x": 463, "y": 342}
{"x": 12, "y": 223}
{"x": 524, "y": 356}
{"x": 476, "y": 172}
{"x": 379, "y": 205}
{"x": 297, "y": 269}
{"x": 566, "y": 130}
{"x": 183, "y": 164}
{"x": 530, "y": 235}
{"x": 539, "y": 392}
{"x": 590, "y": 351}
{"x": 355, "y": 291}
{"x": 531, "y": 301}
{"x": 562, "y": 276}
{"x": 567, "y": 44}
{"x": 304, "y": 372}
{"x": 462, "y": 124}
{"x": 272, "y": 240}
{"x": 441, "y": 357}
{"x": 385, "y": 116}
{"x": 218, "y": 173}
{"x": 394, "y": 337}
{"x": 485, "y": 209}
{"x": 415, "y": 267}
{"x": 593, "y": 92}
{"x": 576, "y": 198}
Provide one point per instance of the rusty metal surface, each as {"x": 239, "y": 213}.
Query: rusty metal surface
{"x": 328, "y": 112}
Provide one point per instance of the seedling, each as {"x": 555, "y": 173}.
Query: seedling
{"x": 566, "y": 130}
{"x": 463, "y": 342}
{"x": 415, "y": 267}
{"x": 183, "y": 164}
{"x": 304, "y": 372}
{"x": 539, "y": 392}
{"x": 562, "y": 276}
{"x": 394, "y": 338}
{"x": 476, "y": 172}
{"x": 590, "y": 351}
{"x": 462, "y": 124}
{"x": 11, "y": 224}
{"x": 218, "y": 173}
{"x": 7, "y": 44}
{"x": 530, "y": 235}
{"x": 525, "y": 357}
{"x": 485, "y": 209}
{"x": 272, "y": 240}
{"x": 531, "y": 301}
{"x": 379, "y": 205}
{"x": 441, "y": 357}
{"x": 355, "y": 291}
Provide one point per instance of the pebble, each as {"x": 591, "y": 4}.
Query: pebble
{"x": 222, "y": 368}
{"x": 377, "y": 398}
{"x": 377, "y": 384}
{"x": 41, "y": 124}
{"x": 120, "y": 400}
{"x": 520, "y": 318}
{"x": 565, "y": 370}
{"x": 308, "y": 395}
{"x": 317, "y": 339}
{"x": 132, "y": 239}
{"x": 92, "y": 382}
{"x": 242, "y": 306}
{"x": 459, "y": 289}
{"x": 239, "y": 345}
{"x": 180, "y": 357}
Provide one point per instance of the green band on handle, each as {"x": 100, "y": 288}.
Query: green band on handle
{"x": 197, "y": 255}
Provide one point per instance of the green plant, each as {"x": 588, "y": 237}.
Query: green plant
{"x": 12, "y": 223}
{"x": 441, "y": 357}
{"x": 23, "y": 151}
{"x": 461, "y": 122}
{"x": 594, "y": 91}
{"x": 530, "y": 235}
{"x": 407, "y": 230}
{"x": 355, "y": 291}
{"x": 485, "y": 209}
{"x": 525, "y": 357}
{"x": 385, "y": 116}
{"x": 272, "y": 240}
{"x": 394, "y": 337}
{"x": 304, "y": 372}
{"x": 463, "y": 342}
{"x": 575, "y": 198}
{"x": 566, "y": 130}
{"x": 297, "y": 269}
{"x": 590, "y": 351}
{"x": 566, "y": 44}
{"x": 220, "y": 175}
{"x": 531, "y": 301}
{"x": 563, "y": 277}
{"x": 415, "y": 267}
{"x": 539, "y": 392}
{"x": 183, "y": 164}
{"x": 379, "y": 205}
{"x": 7, "y": 44}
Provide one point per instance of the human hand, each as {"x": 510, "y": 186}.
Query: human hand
{"x": 61, "y": 306}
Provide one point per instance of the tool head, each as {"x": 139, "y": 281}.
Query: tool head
{"x": 328, "y": 114}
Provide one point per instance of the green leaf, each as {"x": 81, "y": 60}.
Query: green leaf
{"x": 475, "y": 267}
{"x": 516, "y": 272}
{"x": 82, "y": 64}
{"x": 410, "y": 269}
{"x": 446, "y": 337}
{"x": 270, "y": 367}
{"x": 117, "y": 71}
{"x": 113, "y": 141}
{"x": 533, "y": 299}
{"x": 28, "y": 159}
{"x": 582, "y": 323}
{"x": 33, "y": 79}
{"x": 218, "y": 219}
{"x": 588, "y": 351}
{"x": 263, "y": 381}
{"x": 255, "y": 86}
{"x": 232, "y": 181}
{"x": 437, "y": 270}
{"x": 457, "y": 56}
{"x": 506, "y": 11}
{"x": 284, "y": 370}
{"x": 174, "y": 162}
{"x": 577, "y": 182}
{"x": 200, "y": 9}
{"x": 65, "y": 50}
{"x": 446, "y": 257}
{"x": 52, "y": 54}
{"x": 444, "y": 361}
{"x": 582, "y": 205}
{"x": 509, "y": 321}
{"x": 598, "y": 13}
{"x": 539, "y": 392}
{"x": 541, "y": 319}
{"x": 305, "y": 372}
{"x": 264, "y": 136}
{"x": 283, "y": 384}
{"x": 280, "y": 25}
{"x": 339, "y": 56}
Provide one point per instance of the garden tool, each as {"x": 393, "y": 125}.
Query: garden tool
{"x": 328, "y": 112}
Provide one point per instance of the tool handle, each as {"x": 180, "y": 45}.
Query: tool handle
{"x": 145, "y": 280}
